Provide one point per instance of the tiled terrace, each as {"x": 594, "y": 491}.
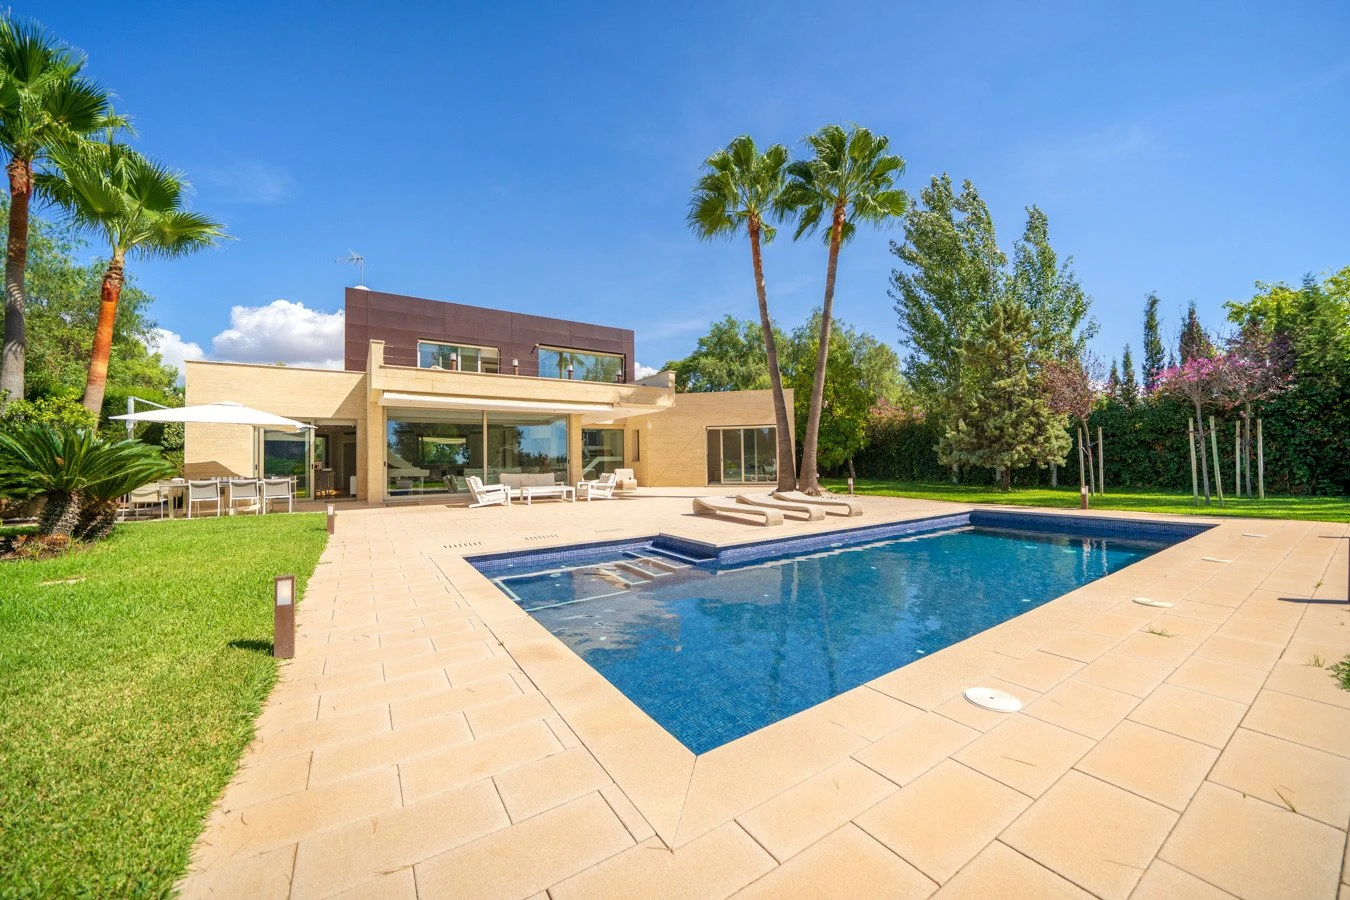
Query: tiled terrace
{"x": 431, "y": 740}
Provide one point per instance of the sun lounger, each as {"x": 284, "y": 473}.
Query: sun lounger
{"x": 716, "y": 506}
{"x": 768, "y": 501}
{"x": 839, "y": 506}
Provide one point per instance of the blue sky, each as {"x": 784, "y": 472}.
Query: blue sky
{"x": 539, "y": 157}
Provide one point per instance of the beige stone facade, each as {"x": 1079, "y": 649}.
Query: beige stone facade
{"x": 665, "y": 434}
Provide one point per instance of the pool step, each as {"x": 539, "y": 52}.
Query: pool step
{"x": 653, "y": 565}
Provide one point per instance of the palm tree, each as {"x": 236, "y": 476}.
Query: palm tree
{"x": 740, "y": 187}
{"x": 136, "y": 204}
{"x": 45, "y": 103}
{"x": 850, "y": 177}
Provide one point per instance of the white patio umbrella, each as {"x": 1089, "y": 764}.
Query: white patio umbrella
{"x": 222, "y": 413}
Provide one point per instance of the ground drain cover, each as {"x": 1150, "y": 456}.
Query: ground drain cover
{"x": 989, "y": 698}
{"x": 1149, "y": 601}
{"x": 463, "y": 544}
{"x": 539, "y": 537}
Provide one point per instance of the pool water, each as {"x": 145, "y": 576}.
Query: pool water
{"x": 714, "y": 650}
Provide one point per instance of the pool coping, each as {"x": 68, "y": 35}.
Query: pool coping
{"x": 684, "y": 796}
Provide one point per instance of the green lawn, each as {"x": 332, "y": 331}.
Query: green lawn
{"x": 130, "y": 676}
{"x": 1322, "y": 509}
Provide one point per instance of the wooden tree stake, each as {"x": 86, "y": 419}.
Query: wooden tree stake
{"x": 1260, "y": 463}
{"x": 1218, "y": 475}
{"x": 1101, "y": 461}
{"x": 1190, "y": 443}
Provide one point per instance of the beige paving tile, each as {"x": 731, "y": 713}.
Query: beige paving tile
{"x": 265, "y": 826}
{"x": 1308, "y": 682}
{"x": 386, "y": 748}
{"x": 1190, "y": 714}
{"x": 1302, "y": 721}
{"x": 1082, "y": 646}
{"x": 552, "y": 781}
{"x": 868, "y": 712}
{"x": 1112, "y": 625}
{"x": 396, "y": 885}
{"x": 305, "y": 736}
{"x": 1256, "y": 654}
{"x": 999, "y": 871}
{"x": 632, "y": 819}
{"x": 739, "y": 776}
{"x": 1170, "y": 651}
{"x": 1253, "y": 849}
{"x": 1205, "y": 612}
{"x": 528, "y": 856}
{"x": 1164, "y": 881}
{"x": 944, "y": 818}
{"x": 489, "y": 717}
{"x": 500, "y": 752}
{"x": 1085, "y": 708}
{"x": 715, "y": 865}
{"x": 1226, "y": 680}
{"x": 1097, "y": 835}
{"x": 1126, "y": 674}
{"x": 1261, "y": 630}
{"x": 1154, "y": 764}
{"x": 264, "y": 875}
{"x": 1310, "y": 782}
{"x": 265, "y": 778}
{"x": 1039, "y": 671}
{"x": 913, "y": 749}
{"x": 848, "y": 863}
{"x": 345, "y": 857}
{"x": 788, "y": 823}
{"x": 1025, "y": 753}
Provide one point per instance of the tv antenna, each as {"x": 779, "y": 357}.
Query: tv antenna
{"x": 355, "y": 259}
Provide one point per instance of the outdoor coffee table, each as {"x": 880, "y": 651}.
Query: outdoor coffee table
{"x": 561, "y": 491}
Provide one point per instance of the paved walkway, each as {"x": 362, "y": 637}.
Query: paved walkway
{"x": 429, "y": 740}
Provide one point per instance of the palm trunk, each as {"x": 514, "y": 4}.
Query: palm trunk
{"x": 103, "y": 336}
{"x": 784, "y": 465}
{"x": 16, "y": 261}
{"x": 809, "y": 483}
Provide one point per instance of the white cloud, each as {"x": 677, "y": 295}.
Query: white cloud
{"x": 282, "y": 331}
{"x": 173, "y": 349}
{"x": 645, "y": 371}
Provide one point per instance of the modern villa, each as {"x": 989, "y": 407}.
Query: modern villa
{"x": 434, "y": 392}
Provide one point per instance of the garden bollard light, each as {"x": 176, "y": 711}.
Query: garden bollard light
{"x": 850, "y": 485}
{"x": 1083, "y": 497}
{"x": 332, "y": 519}
{"x": 515, "y": 367}
{"x": 283, "y": 617}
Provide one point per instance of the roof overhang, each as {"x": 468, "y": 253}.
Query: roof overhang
{"x": 591, "y": 413}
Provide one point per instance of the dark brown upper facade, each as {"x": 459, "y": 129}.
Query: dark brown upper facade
{"x": 402, "y": 321}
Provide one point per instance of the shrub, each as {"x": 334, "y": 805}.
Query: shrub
{"x": 1341, "y": 672}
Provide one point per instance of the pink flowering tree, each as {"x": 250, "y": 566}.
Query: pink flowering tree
{"x": 1204, "y": 382}
{"x": 1072, "y": 387}
{"x": 1258, "y": 366}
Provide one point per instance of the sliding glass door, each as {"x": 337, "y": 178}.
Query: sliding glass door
{"x": 742, "y": 455}
{"x": 601, "y": 451}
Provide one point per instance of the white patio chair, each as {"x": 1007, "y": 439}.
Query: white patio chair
{"x": 278, "y": 489}
{"x": 601, "y": 488}
{"x": 487, "y": 494}
{"x": 248, "y": 491}
{"x": 627, "y": 481}
{"x": 202, "y": 492}
{"x": 149, "y": 495}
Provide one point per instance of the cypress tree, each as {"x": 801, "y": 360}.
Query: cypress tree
{"x": 1153, "y": 343}
{"x": 1194, "y": 343}
{"x": 1129, "y": 385}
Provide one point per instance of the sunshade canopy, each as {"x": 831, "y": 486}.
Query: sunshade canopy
{"x": 223, "y": 413}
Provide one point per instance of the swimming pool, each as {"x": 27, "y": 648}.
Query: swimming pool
{"x": 716, "y": 643}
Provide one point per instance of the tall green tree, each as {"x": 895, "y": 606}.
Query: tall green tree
{"x": 45, "y": 103}
{"x": 1194, "y": 342}
{"x": 730, "y": 357}
{"x": 139, "y": 207}
{"x": 952, "y": 273}
{"x": 1006, "y": 421}
{"x": 1154, "y": 360}
{"x": 849, "y": 179}
{"x": 1050, "y": 290}
{"x": 740, "y": 189}
{"x": 863, "y": 372}
{"x": 1129, "y": 383}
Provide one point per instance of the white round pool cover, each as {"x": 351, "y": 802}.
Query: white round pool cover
{"x": 989, "y": 698}
{"x": 1149, "y": 601}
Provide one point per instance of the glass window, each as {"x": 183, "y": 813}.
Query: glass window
{"x": 286, "y": 454}
{"x": 586, "y": 366}
{"x": 739, "y": 455}
{"x": 526, "y": 443}
{"x": 601, "y": 451}
{"x": 434, "y": 355}
{"x": 432, "y": 452}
